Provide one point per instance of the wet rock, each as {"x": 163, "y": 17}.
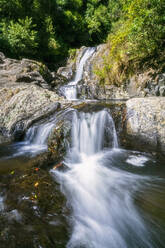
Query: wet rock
{"x": 33, "y": 202}
{"x": 60, "y": 138}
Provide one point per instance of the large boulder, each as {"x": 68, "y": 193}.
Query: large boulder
{"x": 145, "y": 123}
{"x": 21, "y": 106}
{"x": 23, "y": 71}
{"x": 25, "y": 96}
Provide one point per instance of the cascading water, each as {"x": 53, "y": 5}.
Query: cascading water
{"x": 36, "y": 137}
{"x": 85, "y": 128}
{"x": 99, "y": 193}
{"x": 70, "y": 90}
{"x": 35, "y": 141}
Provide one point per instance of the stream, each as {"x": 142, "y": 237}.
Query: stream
{"x": 104, "y": 196}
{"x": 101, "y": 183}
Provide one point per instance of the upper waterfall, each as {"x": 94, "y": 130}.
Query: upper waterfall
{"x": 70, "y": 90}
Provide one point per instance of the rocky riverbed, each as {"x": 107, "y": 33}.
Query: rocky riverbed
{"x": 29, "y": 94}
{"x": 33, "y": 211}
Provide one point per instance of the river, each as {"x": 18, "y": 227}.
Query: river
{"x": 104, "y": 196}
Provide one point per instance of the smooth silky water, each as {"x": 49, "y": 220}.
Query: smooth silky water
{"x": 116, "y": 196}
{"x": 19, "y": 154}
{"x": 34, "y": 142}
{"x": 70, "y": 90}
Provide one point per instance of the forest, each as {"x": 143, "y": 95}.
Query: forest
{"x": 50, "y": 30}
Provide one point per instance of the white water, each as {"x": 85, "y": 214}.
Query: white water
{"x": 34, "y": 143}
{"x": 89, "y": 133}
{"x": 36, "y": 137}
{"x": 1, "y": 204}
{"x": 137, "y": 160}
{"x": 70, "y": 90}
{"x": 99, "y": 194}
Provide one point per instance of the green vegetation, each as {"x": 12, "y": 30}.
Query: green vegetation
{"x": 136, "y": 41}
{"x": 49, "y": 30}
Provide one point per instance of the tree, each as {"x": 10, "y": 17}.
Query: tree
{"x": 20, "y": 36}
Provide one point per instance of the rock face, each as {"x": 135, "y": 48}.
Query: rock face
{"x": 145, "y": 123}
{"x": 25, "y": 97}
{"x": 90, "y": 86}
{"x": 149, "y": 83}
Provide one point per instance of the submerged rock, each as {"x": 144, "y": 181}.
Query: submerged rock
{"x": 34, "y": 212}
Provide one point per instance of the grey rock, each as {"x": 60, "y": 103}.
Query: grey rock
{"x": 145, "y": 123}
{"x": 58, "y": 80}
{"x": 25, "y": 97}
{"x": 157, "y": 91}
{"x": 2, "y": 58}
{"x": 66, "y": 72}
{"x": 162, "y": 91}
{"x": 24, "y": 78}
{"x": 60, "y": 136}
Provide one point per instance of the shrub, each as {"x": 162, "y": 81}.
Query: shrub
{"x": 20, "y": 36}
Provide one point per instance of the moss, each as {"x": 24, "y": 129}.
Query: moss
{"x": 73, "y": 55}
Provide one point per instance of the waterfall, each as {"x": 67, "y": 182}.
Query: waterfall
{"x": 37, "y": 135}
{"x": 35, "y": 140}
{"x": 70, "y": 90}
{"x": 1, "y": 203}
{"x": 90, "y": 131}
{"x": 99, "y": 194}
